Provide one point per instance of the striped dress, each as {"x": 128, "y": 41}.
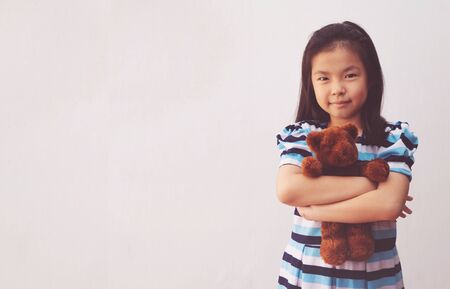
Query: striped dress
{"x": 301, "y": 264}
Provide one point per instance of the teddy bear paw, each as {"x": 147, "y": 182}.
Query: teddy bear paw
{"x": 376, "y": 170}
{"x": 311, "y": 167}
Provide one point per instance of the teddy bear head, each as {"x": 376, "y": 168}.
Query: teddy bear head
{"x": 335, "y": 146}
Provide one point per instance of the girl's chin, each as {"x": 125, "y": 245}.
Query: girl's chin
{"x": 338, "y": 114}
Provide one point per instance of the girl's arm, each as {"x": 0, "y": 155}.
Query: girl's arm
{"x": 383, "y": 204}
{"x": 295, "y": 189}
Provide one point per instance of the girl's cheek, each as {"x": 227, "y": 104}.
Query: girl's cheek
{"x": 323, "y": 96}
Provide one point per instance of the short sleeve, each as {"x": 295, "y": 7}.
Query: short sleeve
{"x": 399, "y": 149}
{"x": 291, "y": 143}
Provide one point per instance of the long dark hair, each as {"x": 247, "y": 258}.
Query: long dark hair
{"x": 354, "y": 37}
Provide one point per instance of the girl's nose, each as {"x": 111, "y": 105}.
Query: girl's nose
{"x": 338, "y": 89}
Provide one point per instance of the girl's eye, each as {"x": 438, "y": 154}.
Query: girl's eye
{"x": 352, "y": 74}
{"x": 321, "y": 78}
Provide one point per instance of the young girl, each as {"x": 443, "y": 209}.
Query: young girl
{"x": 342, "y": 83}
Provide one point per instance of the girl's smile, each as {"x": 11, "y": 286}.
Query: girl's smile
{"x": 340, "y": 104}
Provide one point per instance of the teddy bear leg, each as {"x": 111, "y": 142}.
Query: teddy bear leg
{"x": 311, "y": 167}
{"x": 333, "y": 247}
{"x": 361, "y": 244}
{"x": 376, "y": 170}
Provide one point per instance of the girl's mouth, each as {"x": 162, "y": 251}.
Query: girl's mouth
{"x": 341, "y": 104}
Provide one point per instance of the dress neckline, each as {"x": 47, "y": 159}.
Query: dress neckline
{"x": 359, "y": 139}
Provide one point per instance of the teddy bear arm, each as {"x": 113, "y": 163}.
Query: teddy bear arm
{"x": 376, "y": 170}
{"x": 311, "y": 167}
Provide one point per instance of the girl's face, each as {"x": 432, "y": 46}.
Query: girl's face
{"x": 340, "y": 84}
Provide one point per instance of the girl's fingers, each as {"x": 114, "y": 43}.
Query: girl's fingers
{"x": 407, "y": 210}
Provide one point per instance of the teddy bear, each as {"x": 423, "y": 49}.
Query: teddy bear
{"x": 337, "y": 154}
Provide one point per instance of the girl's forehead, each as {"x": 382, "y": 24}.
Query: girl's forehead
{"x": 338, "y": 59}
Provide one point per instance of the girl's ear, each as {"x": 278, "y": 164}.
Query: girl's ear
{"x": 351, "y": 129}
{"x": 313, "y": 140}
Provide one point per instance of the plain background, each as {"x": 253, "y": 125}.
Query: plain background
{"x": 137, "y": 138}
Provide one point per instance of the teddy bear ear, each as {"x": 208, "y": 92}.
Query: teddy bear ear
{"x": 313, "y": 140}
{"x": 351, "y": 129}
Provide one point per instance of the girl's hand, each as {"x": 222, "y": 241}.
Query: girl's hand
{"x": 305, "y": 212}
{"x": 405, "y": 208}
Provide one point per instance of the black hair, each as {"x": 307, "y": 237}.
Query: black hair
{"x": 354, "y": 37}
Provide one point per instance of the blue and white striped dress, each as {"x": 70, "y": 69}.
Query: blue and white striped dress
{"x": 301, "y": 265}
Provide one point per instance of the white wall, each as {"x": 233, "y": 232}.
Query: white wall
{"x": 138, "y": 142}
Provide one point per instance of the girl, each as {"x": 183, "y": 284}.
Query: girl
{"x": 342, "y": 83}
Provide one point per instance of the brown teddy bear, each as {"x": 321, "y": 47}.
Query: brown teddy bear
{"x": 337, "y": 154}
